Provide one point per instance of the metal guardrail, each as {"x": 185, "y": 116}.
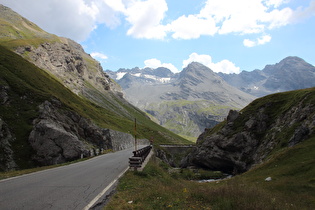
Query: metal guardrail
{"x": 177, "y": 145}
{"x": 138, "y": 157}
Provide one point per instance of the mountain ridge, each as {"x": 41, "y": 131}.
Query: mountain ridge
{"x": 191, "y": 83}
{"x": 192, "y": 97}
{"x": 291, "y": 73}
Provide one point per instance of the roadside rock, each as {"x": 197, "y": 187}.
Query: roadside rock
{"x": 61, "y": 135}
{"x": 7, "y": 162}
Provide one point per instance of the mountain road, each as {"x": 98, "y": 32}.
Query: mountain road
{"x": 75, "y": 186}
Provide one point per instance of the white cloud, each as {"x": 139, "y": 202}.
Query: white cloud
{"x": 245, "y": 16}
{"x": 192, "y": 27}
{"x": 98, "y": 55}
{"x": 264, "y": 39}
{"x": 116, "y": 5}
{"x": 76, "y": 19}
{"x": 276, "y": 3}
{"x": 238, "y": 17}
{"x": 249, "y": 43}
{"x": 259, "y": 41}
{"x": 155, "y": 63}
{"x": 224, "y": 66}
{"x": 194, "y": 57}
{"x": 145, "y": 18}
{"x": 303, "y": 13}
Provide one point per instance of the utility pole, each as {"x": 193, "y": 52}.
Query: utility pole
{"x": 135, "y": 130}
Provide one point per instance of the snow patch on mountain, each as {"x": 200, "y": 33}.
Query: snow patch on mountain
{"x": 120, "y": 75}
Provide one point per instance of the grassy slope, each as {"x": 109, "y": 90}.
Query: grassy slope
{"x": 292, "y": 171}
{"x": 292, "y": 186}
{"x": 275, "y": 105}
{"x": 178, "y": 123}
{"x": 31, "y": 86}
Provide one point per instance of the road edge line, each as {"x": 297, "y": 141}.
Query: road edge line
{"x": 104, "y": 190}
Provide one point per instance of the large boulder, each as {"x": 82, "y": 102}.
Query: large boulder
{"x": 53, "y": 144}
{"x": 61, "y": 135}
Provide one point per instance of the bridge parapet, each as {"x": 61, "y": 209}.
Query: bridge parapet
{"x": 137, "y": 161}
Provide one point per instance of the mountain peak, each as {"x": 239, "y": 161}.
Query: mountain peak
{"x": 289, "y": 64}
{"x": 197, "y": 66}
{"x": 292, "y": 59}
{"x": 197, "y": 72}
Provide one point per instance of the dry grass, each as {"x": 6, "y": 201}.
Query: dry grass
{"x": 154, "y": 188}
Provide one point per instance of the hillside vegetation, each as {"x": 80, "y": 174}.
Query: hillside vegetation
{"x": 292, "y": 186}
{"x": 288, "y": 166}
{"x": 23, "y": 87}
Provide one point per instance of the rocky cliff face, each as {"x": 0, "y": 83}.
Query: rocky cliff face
{"x": 249, "y": 136}
{"x": 60, "y": 135}
{"x": 68, "y": 61}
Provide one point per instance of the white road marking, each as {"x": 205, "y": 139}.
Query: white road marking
{"x": 104, "y": 191}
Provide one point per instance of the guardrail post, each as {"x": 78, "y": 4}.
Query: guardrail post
{"x": 139, "y": 157}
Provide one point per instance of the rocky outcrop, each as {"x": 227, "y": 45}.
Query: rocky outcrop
{"x": 7, "y": 162}
{"x": 248, "y": 138}
{"x": 67, "y": 60}
{"x": 61, "y": 135}
{"x": 62, "y": 57}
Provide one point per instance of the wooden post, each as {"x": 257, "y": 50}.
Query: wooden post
{"x": 135, "y": 134}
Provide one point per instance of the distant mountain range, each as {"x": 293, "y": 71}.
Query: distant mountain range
{"x": 198, "y": 98}
{"x": 291, "y": 73}
{"x": 185, "y": 103}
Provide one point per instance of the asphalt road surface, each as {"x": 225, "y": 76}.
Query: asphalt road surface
{"x": 76, "y": 186}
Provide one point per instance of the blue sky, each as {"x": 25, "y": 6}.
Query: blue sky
{"x": 226, "y": 35}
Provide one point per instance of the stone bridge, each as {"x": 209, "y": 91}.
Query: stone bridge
{"x": 174, "y": 154}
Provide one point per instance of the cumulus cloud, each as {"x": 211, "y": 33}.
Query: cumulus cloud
{"x": 145, "y": 18}
{"x": 259, "y": 41}
{"x": 216, "y": 17}
{"x": 246, "y": 16}
{"x": 224, "y": 66}
{"x": 155, "y": 63}
{"x": 98, "y": 55}
{"x": 192, "y": 27}
{"x": 76, "y": 19}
